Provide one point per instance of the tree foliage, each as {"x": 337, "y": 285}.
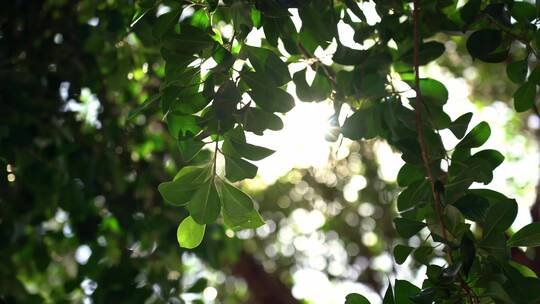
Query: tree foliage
{"x": 478, "y": 264}
{"x": 211, "y": 87}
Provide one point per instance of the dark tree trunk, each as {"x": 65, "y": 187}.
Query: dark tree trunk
{"x": 264, "y": 287}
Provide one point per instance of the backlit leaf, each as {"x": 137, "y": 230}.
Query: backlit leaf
{"x": 205, "y": 204}
{"x": 190, "y": 234}
{"x": 180, "y": 190}
{"x": 238, "y": 208}
{"x": 237, "y": 169}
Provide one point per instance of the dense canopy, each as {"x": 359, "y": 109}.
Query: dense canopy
{"x": 129, "y": 169}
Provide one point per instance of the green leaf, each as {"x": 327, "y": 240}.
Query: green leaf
{"x": 256, "y": 17}
{"x": 348, "y": 56}
{"x": 235, "y": 145}
{"x": 354, "y": 298}
{"x": 467, "y": 252}
{"x": 353, "y": 6}
{"x": 499, "y": 217}
{"x": 528, "y": 236}
{"x": 483, "y": 42}
{"x": 272, "y": 99}
{"x": 190, "y": 234}
{"x": 256, "y": 120}
{"x": 433, "y": 273}
{"x": 198, "y": 286}
{"x": 182, "y": 100}
{"x": 476, "y": 168}
{"x": 433, "y": 91}
{"x": 388, "y": 295}
{"x": 249, "y": 151}
{"x": 521, "y": 289}
{"x": 137, "y": 110}
{"x": 470, "y": 10}
{"x": 365, "y": 123}
{"x": 410, "y": 173}
{"x": 321, "y": 86}
{"x": 205, "y": 204}
{"x": 238, "y": 209}
{"x": 319, "y": 90}
{"x": 226, "y": 99}
{"x": 189, "y": 148}
{"x": 404, "y": 290}
{"x": 407, "y": 227}
{"x": 523, "y": 12}
{"x": 237, "y": 169}
{"x": 257, "y": 81}
{"x": 524, "y": 97}
{"x": 476, "y": 137}
{"x": 191, "y": 40}
{"x": 454, "y": 220}
{"x": 495, "y": 245}
{"x": 165, "y": 23}
{"x": 370, "y": 85}
{"x": 517, "y": 71}
{"x": 200, "y": 19}
{"x": 460, "y": 125}
{"x": 425, "y": 296}
{"x": 534, "y": 77}
{"x": 179, "y": 191}
{"x": 428, "y": 52}
{"x": 487, "y": 161}
{"x": 401, "y": 253}
{"x": 183, "y": 125}
{"x": 423, "y": 254}
{"x": 417, "y": 193}
{"x": 266, "y": 62}
{"x": 318, "y": 27}
{"x": 473, "y": 207}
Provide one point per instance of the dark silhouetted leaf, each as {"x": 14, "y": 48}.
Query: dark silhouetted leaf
{"x": 524, "y": 97}
{"x": 473, "y": 207}
{"x": 483, "y": 42}
{"x": 460, "y": 125}
{"x": 407, "y": 227}
{"x": 404, "y": 290}
{"x": 354, "y": 298}
{"x": 401, "y": 253}
{"x": 517, "y": 71}
{"x": 499, "y": 217}
{"x": 528, "y": 236}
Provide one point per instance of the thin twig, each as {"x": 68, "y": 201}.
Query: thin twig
{"x": 423, "y": 146}
{"x": 329, "y": 73}
{"x": 419, "y": 124}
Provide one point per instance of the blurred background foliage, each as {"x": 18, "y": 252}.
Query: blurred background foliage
{"x": 81, "y": 219}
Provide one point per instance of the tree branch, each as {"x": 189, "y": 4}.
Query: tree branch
{"x": 419, "y": 125}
